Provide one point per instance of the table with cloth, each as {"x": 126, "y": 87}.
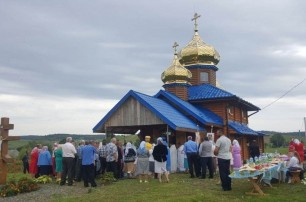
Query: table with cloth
{"x": 260, "y": 173}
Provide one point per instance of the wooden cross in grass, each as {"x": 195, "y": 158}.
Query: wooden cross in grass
{"x": 4, "y": 138}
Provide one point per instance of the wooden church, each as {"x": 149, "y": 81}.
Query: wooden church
{"x": 191, "y": 104}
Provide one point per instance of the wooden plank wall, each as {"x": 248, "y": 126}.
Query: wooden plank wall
{"x": 220, "y": 109}
{"x": 180, "y": 137}
{"x": 179, "y": 91}
{"x": 132, "y": 113}
{"x": 216, "y": 107}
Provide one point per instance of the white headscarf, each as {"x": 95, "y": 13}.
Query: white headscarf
{"x": 127, "y": 147}
{"x": 296, "y": 141}
{"x": 159, "y": 139}
{"x": 236, "y": 143}
{"x": 142, "y": 148}
{"x": 142, "y": 145}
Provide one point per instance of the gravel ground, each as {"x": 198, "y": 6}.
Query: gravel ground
{"x": 49, "y": 192}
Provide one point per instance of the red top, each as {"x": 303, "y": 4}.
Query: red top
{"x": 299, "y": 148}
{"x": 33, "y": 164}
{"x": 291, "y": 148}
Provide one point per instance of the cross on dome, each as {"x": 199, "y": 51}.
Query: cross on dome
{"x": 195, "y": 17}
{"x": 174, "y": 47}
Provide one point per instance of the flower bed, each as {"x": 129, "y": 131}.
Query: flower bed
{"x": 13, "y": 187}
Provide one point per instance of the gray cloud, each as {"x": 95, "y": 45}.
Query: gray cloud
{"x": 102, "y": 49}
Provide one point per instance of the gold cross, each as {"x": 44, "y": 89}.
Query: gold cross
{"x": 195, "y": 17}
{"x": 174, "y": 46}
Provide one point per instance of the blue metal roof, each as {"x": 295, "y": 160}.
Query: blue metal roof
{"x": 159, "y": 107}
{"x": 207, "y": 91}
{"x": 261, "y": 133}
{"x": 203, "y": 115}
{"x": 210, "y": 92}
{"x": 242, "y": 128}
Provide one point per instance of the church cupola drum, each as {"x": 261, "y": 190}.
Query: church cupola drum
{"x": 176, "y": 77}
{"x": 200, "y": 58}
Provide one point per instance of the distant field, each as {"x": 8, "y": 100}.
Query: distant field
{"x": 17, "y": 143}
{"x": 282, "y": 150}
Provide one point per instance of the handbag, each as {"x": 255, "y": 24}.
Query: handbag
{"x": 128, "y": 159}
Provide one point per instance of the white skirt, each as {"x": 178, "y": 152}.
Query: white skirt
{"x": 160, "y": 167}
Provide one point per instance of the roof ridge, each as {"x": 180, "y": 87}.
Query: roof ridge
{"x": 188, "y": 107}
{"x": 139, "y": 93}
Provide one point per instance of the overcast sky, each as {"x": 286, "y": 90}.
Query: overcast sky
{"x": 65, "y": 63}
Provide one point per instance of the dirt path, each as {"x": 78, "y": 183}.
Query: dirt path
{"x": 49, "y": 192}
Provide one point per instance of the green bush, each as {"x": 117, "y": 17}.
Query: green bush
{"x": 108, "y": 178}
{"x": 27, "y": 185}
{"x": 12, "y": 188}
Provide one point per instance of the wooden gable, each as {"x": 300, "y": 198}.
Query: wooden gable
{"x": 133, "y": 113}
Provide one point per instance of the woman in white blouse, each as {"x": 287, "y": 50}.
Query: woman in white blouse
{"x": 294, "y": 164}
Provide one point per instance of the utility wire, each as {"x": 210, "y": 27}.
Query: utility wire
{"x": 284, "y": 94}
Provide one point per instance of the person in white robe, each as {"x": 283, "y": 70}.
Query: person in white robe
{"x": 180, "y": 159}
{"x": 173, "y": 154}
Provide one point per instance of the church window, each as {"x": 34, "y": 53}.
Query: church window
{"x": 204, "y": 77}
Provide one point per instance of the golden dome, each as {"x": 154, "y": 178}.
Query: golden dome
{"x": 198, "y": 52}
{"x": 176, "y": 73}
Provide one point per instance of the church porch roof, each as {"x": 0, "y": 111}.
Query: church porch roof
{"x": 241, "y": 128}
{"x": 163, "y": 110}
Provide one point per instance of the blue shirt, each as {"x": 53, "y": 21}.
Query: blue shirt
{"x": 79, "y": 149}
{"x": 190, "y": 147}
{"x": 44, "y": 158}
{"x": 88, "y": 154}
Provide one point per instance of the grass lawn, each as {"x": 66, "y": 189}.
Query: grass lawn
{"x": 16, "y": 176}
{"x": 281, "y": 150}
{"x": 183, "y": 188}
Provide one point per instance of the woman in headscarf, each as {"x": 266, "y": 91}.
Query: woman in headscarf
{"x": 299, "y": 148}
{"x": 58, "y": 155}
{"x": 55, "y": 146}
{"x": 33, "y": 161}
{"x": 129, "y": 159}
{"x": 160, "y": 153}
{"x": 236, "y": 152}
{"x": 291, "y": 145}
{"x": 44, "y": 161}
{"x": 294, "y": 164}
{"x": 180, "y": 158}
{"x": 142, "y": 166}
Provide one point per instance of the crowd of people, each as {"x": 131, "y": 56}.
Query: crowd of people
{"x": 210, "y": 155}
{"x": 83, "y": 162}
{"x": 70, "y": 162}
